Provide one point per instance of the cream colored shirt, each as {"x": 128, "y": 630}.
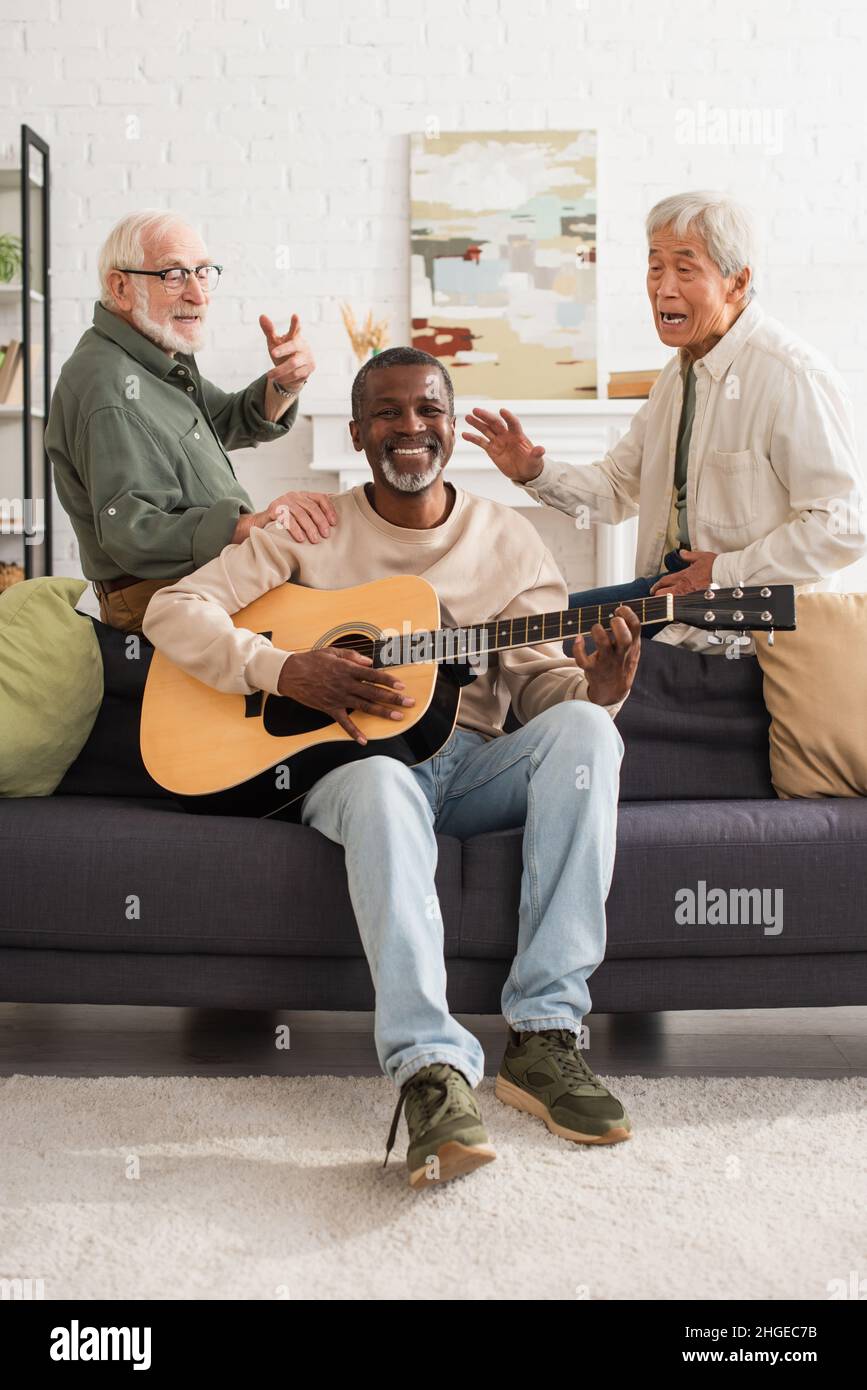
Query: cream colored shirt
{"x": 774, "y": 479}
{"x": 485, "y": 561}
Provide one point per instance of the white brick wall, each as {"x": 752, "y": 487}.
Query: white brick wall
{"x": 284, "y": 123}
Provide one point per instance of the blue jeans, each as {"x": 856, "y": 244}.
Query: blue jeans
{"x": 616, "y": 593}
{"x": 386, "y": 814}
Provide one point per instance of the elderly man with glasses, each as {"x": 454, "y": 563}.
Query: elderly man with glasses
{"x": 742, "y": 466}
{"x": 139, "y": 439}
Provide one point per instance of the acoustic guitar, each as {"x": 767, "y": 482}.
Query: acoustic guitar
{"x": 259, "y": 755}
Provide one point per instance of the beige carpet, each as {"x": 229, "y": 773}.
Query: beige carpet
{"x": 266, "y": 1188}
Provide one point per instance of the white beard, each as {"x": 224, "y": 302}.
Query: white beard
{"x": 409, "y": 482}
{"x": 164, "y": 334}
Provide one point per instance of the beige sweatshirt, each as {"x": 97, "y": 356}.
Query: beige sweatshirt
{"x": 485, "y": 561}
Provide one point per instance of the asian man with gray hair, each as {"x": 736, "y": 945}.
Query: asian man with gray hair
{"x": 742, "y": 465}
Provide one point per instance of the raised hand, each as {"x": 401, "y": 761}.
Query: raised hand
{"x": 505, "y": 444}
{"x": 290, "y": 353}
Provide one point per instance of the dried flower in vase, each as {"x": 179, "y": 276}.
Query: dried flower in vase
{"x": 367, "y": 340}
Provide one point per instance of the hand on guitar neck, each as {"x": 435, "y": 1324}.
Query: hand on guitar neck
{"x": 336, "y": 680}
{"x": 611, "y": 669}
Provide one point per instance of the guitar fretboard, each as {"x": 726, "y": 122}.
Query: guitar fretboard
{"x": 504, "y": 633}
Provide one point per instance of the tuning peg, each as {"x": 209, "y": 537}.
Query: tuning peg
{"x": 770, "y": 637}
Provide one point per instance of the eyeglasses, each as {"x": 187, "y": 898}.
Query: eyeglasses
{"x": 175, "y": 278}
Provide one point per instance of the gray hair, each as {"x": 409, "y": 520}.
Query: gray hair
{"x": 725, "y": 227}
{"x": 398, "y": 357}
{"x": 124, "y": 245}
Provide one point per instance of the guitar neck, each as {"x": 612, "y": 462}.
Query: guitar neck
{"x": 503, "y": 633}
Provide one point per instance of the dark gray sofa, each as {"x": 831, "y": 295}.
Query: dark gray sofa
{"x": 238, "y": 913}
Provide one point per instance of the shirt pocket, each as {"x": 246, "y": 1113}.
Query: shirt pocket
{"x": 727, "y": 490}
{"x": 203, "y": 455}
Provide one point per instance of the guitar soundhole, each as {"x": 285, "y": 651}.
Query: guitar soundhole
{"x": 284, "y": 717}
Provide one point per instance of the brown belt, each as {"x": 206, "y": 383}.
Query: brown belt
{"x": 123, "y": 581}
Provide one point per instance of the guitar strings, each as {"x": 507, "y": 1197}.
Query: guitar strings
{"x": 364, "y": 645}
{"x": 688, "y": 605}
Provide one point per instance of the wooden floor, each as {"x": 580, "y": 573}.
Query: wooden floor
{"x": 109, "y": 1040}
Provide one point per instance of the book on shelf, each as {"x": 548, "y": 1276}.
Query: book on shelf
{"x": 11, "y": 356}
{"x": 630, "y": 385}
{"x": 12, "y": 371}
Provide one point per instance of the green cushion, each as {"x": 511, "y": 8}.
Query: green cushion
{"x": 51, "y": 683}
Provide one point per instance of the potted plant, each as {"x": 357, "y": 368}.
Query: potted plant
{"x": 11, "y": 256}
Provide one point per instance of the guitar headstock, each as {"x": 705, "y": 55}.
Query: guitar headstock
{"x": 757, "y": 609}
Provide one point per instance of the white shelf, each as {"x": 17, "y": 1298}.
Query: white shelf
{"x": 14, "y": 412}
{"x": 10, "y": 177}
{"x": 10, "y": 290}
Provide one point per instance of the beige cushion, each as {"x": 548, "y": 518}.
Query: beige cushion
{"x": 816, "y": 692}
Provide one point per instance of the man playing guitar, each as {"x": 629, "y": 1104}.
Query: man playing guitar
{"x": 557, "y": 776}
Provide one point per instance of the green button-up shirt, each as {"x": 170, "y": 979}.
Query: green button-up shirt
{"x": 138, "y": 442}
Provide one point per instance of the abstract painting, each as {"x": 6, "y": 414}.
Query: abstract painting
{"x": 503, "y": 261}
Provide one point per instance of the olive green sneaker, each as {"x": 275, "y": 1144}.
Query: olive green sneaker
{"x": 446, "y": 1134}
{"x": 545, "y": 1075}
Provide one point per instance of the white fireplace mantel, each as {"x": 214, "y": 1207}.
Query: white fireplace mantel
{"x": 574, "y": 431}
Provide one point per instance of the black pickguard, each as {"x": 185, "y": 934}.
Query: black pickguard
{"x": 261, "y": 796}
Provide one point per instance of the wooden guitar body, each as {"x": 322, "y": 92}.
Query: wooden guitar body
{"x": 259, "y": 754}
